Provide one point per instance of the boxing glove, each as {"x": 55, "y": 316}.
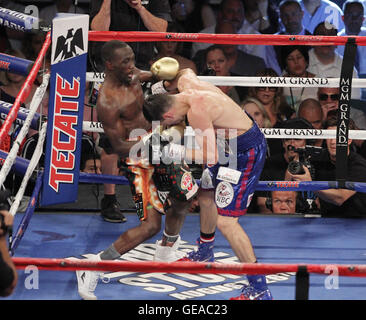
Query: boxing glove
{"x": 165, "y": 68}
{"x": 162, "y": 151}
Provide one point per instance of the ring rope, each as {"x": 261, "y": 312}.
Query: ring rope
{"x": 36, "y": 100}
{"x": 261, "y": 186}
{"x": 274, "y": 133}
{"x": 72, "y": 264}
{"x": 22, "y": 227}
{"x": 30, "y": 169}
{"x": 25, "y": 90}
{"x": 254, "y": 39}
{"x": 239, "y": 81}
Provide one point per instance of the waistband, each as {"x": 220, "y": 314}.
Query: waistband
{"x": 249, "y": 139}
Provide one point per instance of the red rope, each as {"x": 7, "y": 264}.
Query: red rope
{"x": 186, "y": 267}
{"x": 25, "y": 90}
{"x": 255, "y": 39}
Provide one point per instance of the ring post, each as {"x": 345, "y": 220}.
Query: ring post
{"x": 66, "y": 106}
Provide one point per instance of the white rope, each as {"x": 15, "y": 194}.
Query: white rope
{"x": 276, "y": 133}
{"x": 272, "y": 133}
{"x": 292, "y": 82}
{"x": 31, "y": 167}
{"x": 36, "y": 100}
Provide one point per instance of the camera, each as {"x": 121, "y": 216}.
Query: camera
{"x": 305, "y": 155}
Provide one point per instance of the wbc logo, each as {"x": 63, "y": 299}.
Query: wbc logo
{"x": 64, "y": 133}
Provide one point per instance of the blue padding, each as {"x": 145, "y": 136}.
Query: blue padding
{"x": 15, "y": 64}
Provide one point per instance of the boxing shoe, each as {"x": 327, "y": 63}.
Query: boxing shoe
{"x": 110, "y": 211}
{"x": 248, "y": 292}
{"x": 167, "y": 254}
{"x": 204, "y": 253}
{"x": 88, "y": 281}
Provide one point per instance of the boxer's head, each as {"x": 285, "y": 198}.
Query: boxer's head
{"x": 165, "y": 108}
{"x": 119, "y": 61}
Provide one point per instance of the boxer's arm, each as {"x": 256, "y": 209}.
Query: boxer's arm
{"x": 145, "y": 76}
{"x": 199, "y": 119}
{"x": 187, "y": 79}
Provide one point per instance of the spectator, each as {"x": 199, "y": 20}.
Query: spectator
{"x": 217, "y": 61}
{"x": 291, "y": 15}
{"x": 13, "y": 38}
{"x": 295, "y": 60}
{"x": 275, "y": 104}
{"x": 48, "y": 13}
{"x": 256, "y": 110}
{"x": 329, "y": 100}
{"x": 318, "y": 11}
{"x": 262, "y": 15}
{"x": 282, "y": 202}
{"x": 193, "y": 15}
{"x": 311, "y": 110}
{"x": 27, "y": 150}
{"x": 32, "y": 44}
{"x": 239, "y": 62}
{"x": 232, "y": 11}
{"x": 116, "y": 15}
{"x": 91, "y": 163}
{"x": 173, "y": 49}
{"x": 208, "y": 14}
{"x": 353, "y": 18}
{"x": 324, "y": 61}
{"x": 338, "y": 202}
{"x": 12, "y": 83}
{"x": 187, "y": 17}
{"x": 276, "y": 165}
{"x": 87, "y": 147}
{"x": 12, "y": 5}
{"x": 4, "y": 40}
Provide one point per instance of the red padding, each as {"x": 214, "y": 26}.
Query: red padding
{"x": 25, "y": 90}
{"x": 255, "y": 39}
{"x": 186, "y": 267}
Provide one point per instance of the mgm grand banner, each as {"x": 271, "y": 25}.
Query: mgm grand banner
{"x": 290, "y": 81}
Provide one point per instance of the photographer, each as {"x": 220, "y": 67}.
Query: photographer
{"x": 276, "y": 165}
{"x": 282, "y": 202}
{"x": 8, "y": 272}
{"x": 337, "y": 202}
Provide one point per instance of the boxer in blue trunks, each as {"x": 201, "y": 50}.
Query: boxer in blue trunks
{"x": 233, "y": 149}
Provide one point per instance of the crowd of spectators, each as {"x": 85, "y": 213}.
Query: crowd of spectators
{"x": 270, "y": 107}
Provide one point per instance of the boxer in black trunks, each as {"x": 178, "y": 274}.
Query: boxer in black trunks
{"x": 119, "y": 108}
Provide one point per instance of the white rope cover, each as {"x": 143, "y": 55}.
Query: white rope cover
{"x": 31, "y": 167}
{"x": 274, "y": 133}
{"x": 292, "y": 82}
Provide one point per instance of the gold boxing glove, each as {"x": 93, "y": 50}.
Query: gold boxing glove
{"x": 175, "y": 133}
{"x": 165, "y": 68}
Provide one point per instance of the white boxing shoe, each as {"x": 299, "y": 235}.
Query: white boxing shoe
{"x": 88, "y": 281}
{"x": 167, "y": 254}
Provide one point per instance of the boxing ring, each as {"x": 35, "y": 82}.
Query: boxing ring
{"x": 308, "y": 243}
